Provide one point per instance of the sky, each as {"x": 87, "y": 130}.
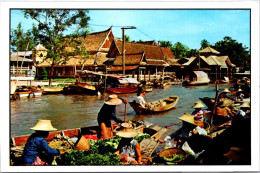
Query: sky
{"x": 188, "y": 27}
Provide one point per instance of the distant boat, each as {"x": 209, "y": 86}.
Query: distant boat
{"x": 52, "y": 90}
{"x": 156, "y": 106}
{"x": 122, "y": 85}
{"x": 29, "y": 93}
{"x": 122, "y": 90}
{"x": 201, "y": 78}
{"x": 80, "y": 88}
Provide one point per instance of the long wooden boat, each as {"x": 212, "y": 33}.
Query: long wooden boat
{"x": 30, "y": 93}
{"x": 148, "y": 145}
{"x": 51, "y": 90}
{"x": 80, "y": 88}
{"x": 156, "y": 106}
{"x": 122, "y": 90}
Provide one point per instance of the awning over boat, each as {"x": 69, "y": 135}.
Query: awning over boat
{"x": 128, "y": 80}
{"x": 202, "y": 76}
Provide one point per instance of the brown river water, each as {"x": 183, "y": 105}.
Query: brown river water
{"x": 74, "y": 111}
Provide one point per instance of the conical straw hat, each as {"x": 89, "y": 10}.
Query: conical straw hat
{"x": 225, "y": 90}
{"x": 113, "y": 100}
{"x": 198, "y": 105}
{"x": 127, "y": 131}
{"x": 188, "y": 118}
{"x": 245, "y": 105}
{"x": 43, "y": 125}
{"x": 239, "y": 90}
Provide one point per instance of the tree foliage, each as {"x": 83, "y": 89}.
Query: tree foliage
{"x": 19, "y": 39}
{"x": 164, "y": 43}
{"x": 204, "y": 43}
{"x": 238, "y": 54}
{"x": 58, "y": 30}
{"x": 179, "y": 50}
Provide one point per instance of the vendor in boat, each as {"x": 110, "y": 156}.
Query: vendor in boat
{"x": 239, "y": 95}
{"x": 246, "y": 89}
{"x": 224, "y": 93}
{"x": 36, "y": 150}
{"x": 141, "y": 100}
{"x": 198, "y": 114}
{"x": 129, "y": 150}
{"x": 182, "y": 134}
{"x": 108, "y": 113}
{"x": 244, "y": 110}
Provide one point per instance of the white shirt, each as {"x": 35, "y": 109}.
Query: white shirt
{"x": 141, "y": 101}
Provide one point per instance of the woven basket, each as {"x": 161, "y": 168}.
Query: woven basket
{"x": 82, "y": 144}
{"x": 169, "y": 152}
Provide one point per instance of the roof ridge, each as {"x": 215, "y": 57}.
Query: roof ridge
{"x": 100, "y": 31}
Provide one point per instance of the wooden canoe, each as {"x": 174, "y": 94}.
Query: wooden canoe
{"x": 156, "y": 106}
{"x": 80, "y": 88}
{"x": 51, "y": 90}
{"x": 122, "y": 90}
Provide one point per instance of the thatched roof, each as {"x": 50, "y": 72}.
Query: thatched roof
{"x": 156, "y": 62}
{"x": 149, "y": 43}
{"x": 71, "y": 62}
{"x": 120, "y": 68}
{"x": 191, "y": 59}
{"x": 94, "y": 41}
{"x": 151, "y": 52}
{"x": 14, "y": 58}
{"x": 167, "y": 53}
{"x": 40, "y": 47}
{"x": 213, "y": 60}
{"x": 225, "y": 61}
{"x": 26, "y": 53}
{"x": 209, "y": 50}
{"x": 130, "y": 59}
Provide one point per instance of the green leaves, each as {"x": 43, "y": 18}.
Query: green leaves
{"x": 100, "y": 153}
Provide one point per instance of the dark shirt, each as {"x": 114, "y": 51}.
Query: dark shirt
{"x": 34, "y": 146}
{"x": 184, "y": 130}
{"x": 108, "y": 113}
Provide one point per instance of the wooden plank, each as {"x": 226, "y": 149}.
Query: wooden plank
{"x": 159, "y": 134}
{"x": 147, "y": 147}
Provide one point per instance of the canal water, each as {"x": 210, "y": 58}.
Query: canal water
{"x": 74, "y": 111}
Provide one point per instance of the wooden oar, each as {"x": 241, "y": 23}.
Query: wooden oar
{"x": 125, "y": 112}
{"x": 173, "y": 124}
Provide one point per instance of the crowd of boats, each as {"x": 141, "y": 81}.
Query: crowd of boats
{"x": 216, "y": 142}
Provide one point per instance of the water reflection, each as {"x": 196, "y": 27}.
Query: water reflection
{"x": 74, "y": 111}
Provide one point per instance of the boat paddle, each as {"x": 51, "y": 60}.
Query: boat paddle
{"x": 173, "y": 124}
{"x": 125, "y": 112}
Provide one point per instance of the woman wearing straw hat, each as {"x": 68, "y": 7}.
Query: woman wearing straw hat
{"x": 198, "y": 114}
{"x": 243, "y": 111}
{"x": 129, "y": 150}
{"x": 108, "y": 113}
{"x": 224, "y": 93}
{"x": 183, "y": 133}
{"x": 36, "y": 145}
{"x": 239, "y": 95}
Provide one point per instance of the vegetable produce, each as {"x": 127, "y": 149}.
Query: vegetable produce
{"x": 141, "y": 136}
{"x": 175, "y": 157}
{"x": 79, "y": 157}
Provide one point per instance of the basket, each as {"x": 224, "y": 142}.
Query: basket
{"x": 82, "y": 144}
{"x": 169, "y": 152}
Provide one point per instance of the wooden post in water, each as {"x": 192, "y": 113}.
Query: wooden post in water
{"x": 214, "y": 107}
